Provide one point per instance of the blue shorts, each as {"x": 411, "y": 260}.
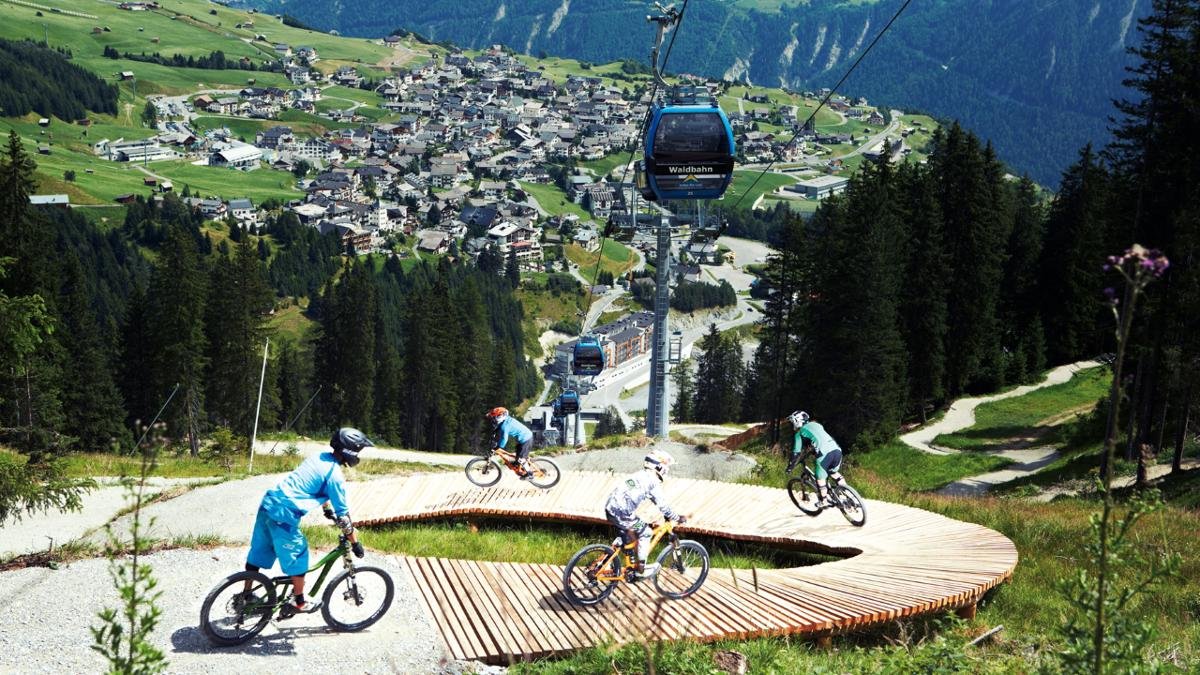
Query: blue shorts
{"x": 275, "y": 540}
{"x": 830, "y": 463}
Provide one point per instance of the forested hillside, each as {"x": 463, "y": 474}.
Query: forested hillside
{"x": 1034, "y": 78}
{"x": 926, "y": 282}
{"x": 36, "y": 79}
{"x": 164, "y": 299}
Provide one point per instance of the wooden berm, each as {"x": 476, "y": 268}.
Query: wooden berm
{"x": 903, "y": 562}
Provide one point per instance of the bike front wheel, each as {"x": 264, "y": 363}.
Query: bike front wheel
{"x": 483, "y": 472}
{"x": 580, "y": 584}
{"x": 357, "y": 598}
{"x": 545, "y": 473}
{"x": 233, "y": 613}
{"x": 850, "y": 503}
{"x": 804, "y": 494}
{"x": 682, "y": 569}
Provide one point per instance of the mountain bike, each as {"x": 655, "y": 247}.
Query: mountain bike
{"x": 595, "y": 570}
{"x": 805, "y": 495}
{"x": 242, "y": 605}
{"x": 486, "y": 471}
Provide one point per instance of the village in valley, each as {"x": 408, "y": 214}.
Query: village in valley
{"x": 406, "y": 149}
{"x": 456, "y": 151}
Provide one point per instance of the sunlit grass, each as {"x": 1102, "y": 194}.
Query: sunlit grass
{"x": 527, "y": 541}
{"x": 1031, "y": 415}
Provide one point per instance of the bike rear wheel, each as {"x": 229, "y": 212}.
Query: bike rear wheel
{"x": 230, "y": 615}
{"x": 682, "y": 569}
{"x": 545, "y": 473}
{"x": 850, "y": 503}
{"x": 357, "y": 598}
{"x": 804, "y": 494}
{"x": 579, "y": 579}
{"x": 483, "y": 472}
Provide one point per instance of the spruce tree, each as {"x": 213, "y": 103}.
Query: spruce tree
{"x": 975, "y": 235}
{"x": 238, "y": 302}
{"x": 175, "y": 332}
{"x": 684, "y": 388}
{"x": 92, "y": 409}
{"x": 924, "y": 301}
{"x": 854, "y": 364}
{"x": 1071, "y": 275}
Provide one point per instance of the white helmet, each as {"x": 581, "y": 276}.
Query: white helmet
{"x": 799, "y": 418}
{"x": 660, "y": 461}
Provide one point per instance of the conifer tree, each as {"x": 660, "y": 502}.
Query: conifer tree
{"x": 685, "y": 391}
{"x": 134, "y": 363}
{"x": 923, "y": 299}
{"x": 175, "y": 321}
{"x": 1020, "y": 312}
{"x": 238, "y": 301}
{"x": 854, "y": 364}
{"x": 975, "y": 236}
{"x": 91, "y": 404}
{"x": 345, "y": 351}
{"x": 1070, "y": 273}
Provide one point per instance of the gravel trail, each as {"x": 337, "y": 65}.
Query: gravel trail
{"x": 689, "y": 462}
{"x": 47, "y": 613}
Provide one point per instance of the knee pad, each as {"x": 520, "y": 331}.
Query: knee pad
{"x": 252, "y": 568}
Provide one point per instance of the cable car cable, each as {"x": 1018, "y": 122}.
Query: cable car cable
{"x": 821, "y": 105}
{"x": 629, "y": 162}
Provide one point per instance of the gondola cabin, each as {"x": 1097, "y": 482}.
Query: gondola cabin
{"x": 587, "y": 358}
{"x": 689, "y": 152}
{"x": 568, "y": 402}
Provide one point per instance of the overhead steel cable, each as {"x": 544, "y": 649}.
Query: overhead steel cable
{"x": 822, "y": 104}
{"x": 641, "y": 133}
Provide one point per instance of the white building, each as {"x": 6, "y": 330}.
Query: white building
{"x": 821, "y": 187}
{"x": 237, "y": 156}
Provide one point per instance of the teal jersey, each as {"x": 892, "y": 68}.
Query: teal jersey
{"x": 815, "y": 434}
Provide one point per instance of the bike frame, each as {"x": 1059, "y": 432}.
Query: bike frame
{"x": 503, "y": 457}
{"x": 324, "y": 564}
{"x": 667, "y": 527}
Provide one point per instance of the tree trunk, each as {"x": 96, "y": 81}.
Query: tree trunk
{"x": 1134, "y": 401}
{"x": 1181, "y": 431}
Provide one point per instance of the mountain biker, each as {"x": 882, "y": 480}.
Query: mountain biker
{"x": 507, "y": 427}
{"x": 811, "y": 434}
{"x": 277, "y": 532}
{"x": 621, "y": 508}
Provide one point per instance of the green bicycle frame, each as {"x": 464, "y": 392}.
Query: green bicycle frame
{"x": 324, "y": 564}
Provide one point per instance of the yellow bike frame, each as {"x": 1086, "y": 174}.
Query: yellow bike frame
{"x": 662, "y": 530}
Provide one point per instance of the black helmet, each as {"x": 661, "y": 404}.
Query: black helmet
{"x": 347, "y": 442}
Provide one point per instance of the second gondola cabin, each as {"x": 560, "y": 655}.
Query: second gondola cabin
{"x": 587, "y": 357}
{"x": 568, "y": 402}
{"x": 689, "y": 152}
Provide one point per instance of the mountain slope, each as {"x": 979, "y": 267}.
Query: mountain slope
{"x": 1034, "y": 76}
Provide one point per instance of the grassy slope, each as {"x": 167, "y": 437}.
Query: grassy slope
{"x": 615, "y": 257}
{"x": 554, "y": 201}
{"x": 193, "y": 32}
{"x": 1031, "y": 415}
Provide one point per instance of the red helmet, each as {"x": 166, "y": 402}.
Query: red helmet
{"x": 497, "y": 415}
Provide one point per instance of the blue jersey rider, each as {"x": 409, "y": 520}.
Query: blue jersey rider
{"x": 622, "y": 505}
{"x": 811, "y": 434}
{"x": 277, "y": 534}
{"x": 506, "y": 428}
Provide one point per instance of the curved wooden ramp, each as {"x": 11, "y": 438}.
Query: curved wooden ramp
{"x": 903, "y": 562}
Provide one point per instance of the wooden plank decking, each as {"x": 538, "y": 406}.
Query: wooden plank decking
{"x": 904, "y": 561}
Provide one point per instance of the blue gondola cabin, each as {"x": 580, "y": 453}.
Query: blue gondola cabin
{"x": 587, "y": 357}
{"x": 568, "y": 402}
{"x": 689, "y": 152}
